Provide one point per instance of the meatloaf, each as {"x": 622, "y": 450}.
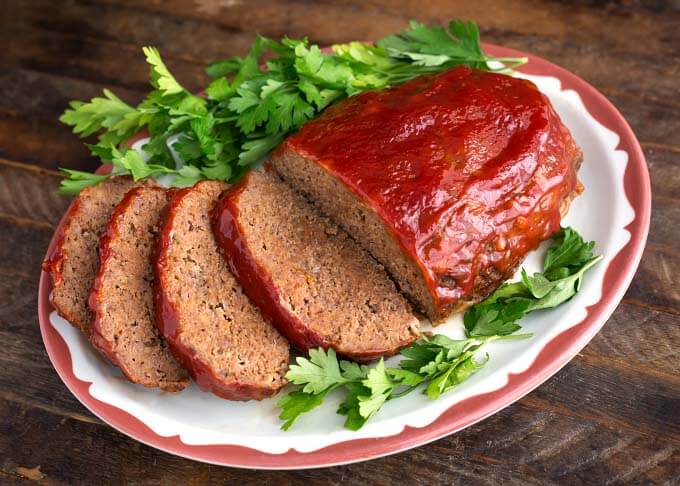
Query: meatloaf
{"x": 73, "y": 261}
{"x": 448, "y": 180}
{"x": 210, "y": 325}
{"x": 311, "y": 280}
{"x": 123, "y": 329}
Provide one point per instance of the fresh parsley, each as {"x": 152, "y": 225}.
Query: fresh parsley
{"x": 249, "y": 108}
{"x": 439, "y": 363}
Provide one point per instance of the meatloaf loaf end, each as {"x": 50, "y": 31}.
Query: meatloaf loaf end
{"x": 123, "y": 329}
{"x": 73, "y": 261}
{"x": 311, "y": 280}
{"x": 209, "y": 323}
{"x": 449, "y": 180}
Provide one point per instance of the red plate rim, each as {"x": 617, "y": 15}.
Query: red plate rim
{"x": 551, "y": 359}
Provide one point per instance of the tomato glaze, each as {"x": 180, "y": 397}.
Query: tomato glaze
{"x": 468, "y": 169}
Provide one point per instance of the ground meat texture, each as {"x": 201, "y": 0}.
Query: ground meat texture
{"x": 305, "y": 273}
{"x": 448, "y": 180}
{"x": 124, "y": 328}
{"x": 210, "y": 324}
{"x": 73, "y": 262}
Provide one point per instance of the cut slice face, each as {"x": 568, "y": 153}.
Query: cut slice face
{"x": 210, "y": 324}
{"x": 73, "y": 262}
{"x": 313, "y": 282}
{"x": 124, "y": 328}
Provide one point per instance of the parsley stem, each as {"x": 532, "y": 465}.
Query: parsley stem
{"x": 403, "y": 393}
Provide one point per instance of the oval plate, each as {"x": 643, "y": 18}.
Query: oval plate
{"x": 614, "y": 211}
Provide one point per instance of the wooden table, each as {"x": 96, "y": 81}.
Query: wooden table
{"x": 611, "y": 416}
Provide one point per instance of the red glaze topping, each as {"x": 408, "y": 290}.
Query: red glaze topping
{"x": 171, "y": 328}
{"x": 467, "y": 168}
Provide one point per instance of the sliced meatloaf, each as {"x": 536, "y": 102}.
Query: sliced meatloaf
{"x": 74, "y": 259}
{"x": 123, "y": 329}
{"x": 313, "y": 282}
{"x": 209, "y": 323}
{"x": 448, "y": 180}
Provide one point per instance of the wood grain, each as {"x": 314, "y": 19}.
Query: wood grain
{"x": 584, "y": 40}
{"x": 611, "y": 416}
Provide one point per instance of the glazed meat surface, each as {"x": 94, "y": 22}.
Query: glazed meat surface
{"x": 448, "y": 180}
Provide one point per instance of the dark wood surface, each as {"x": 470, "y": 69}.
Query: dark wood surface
{"x": 610, "y": 416}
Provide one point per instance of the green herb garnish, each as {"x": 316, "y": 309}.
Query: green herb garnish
{"x": 247, "y": 109}
{"x": 439, "y": 363}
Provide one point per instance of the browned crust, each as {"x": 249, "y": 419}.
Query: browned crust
{"x": 103, "y": 345}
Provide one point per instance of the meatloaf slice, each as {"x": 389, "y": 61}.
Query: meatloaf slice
{"x": 73, "y": 261}
{"x": 448, "y": 180}
{"x": 312, "y": 281}
{"x": 211, "y": 326}
{"x": 123, "y": 329}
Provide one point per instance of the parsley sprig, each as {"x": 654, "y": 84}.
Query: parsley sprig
{"x": 248, "y": 109}
{"x": 439, "y": 363}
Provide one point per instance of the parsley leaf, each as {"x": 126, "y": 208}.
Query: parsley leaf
{"x": 318, "y": 373}
{"x": 220, "y": 69}
{"x": 380, "y": 385}
{"x": 78, "y": 180}
{"x": 570, "y": 252}
{"x": 130, "y": 161}
{"x": 497, "y": 318}
{"x": 110, "y": 113}
{"x": 219, "y": 89}
{"x": 437, "y": 363}
{"x": 296, "y": 403}
{"x": 160, "y": 75}
{"x": 350, "y": 406}
{"x": 248, "y": 109}
{"x": 560, "y": 290}
{"x": 187, "y": 176}
{"x": 438, "y": 46}
{"x": 256, "y": 148}
{"x": 453, "y": 374}
{"x": 352, "y": 371}
{"x": 417, "y": 355}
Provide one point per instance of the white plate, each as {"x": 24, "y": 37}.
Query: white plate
{"x": 202, "y": 426}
